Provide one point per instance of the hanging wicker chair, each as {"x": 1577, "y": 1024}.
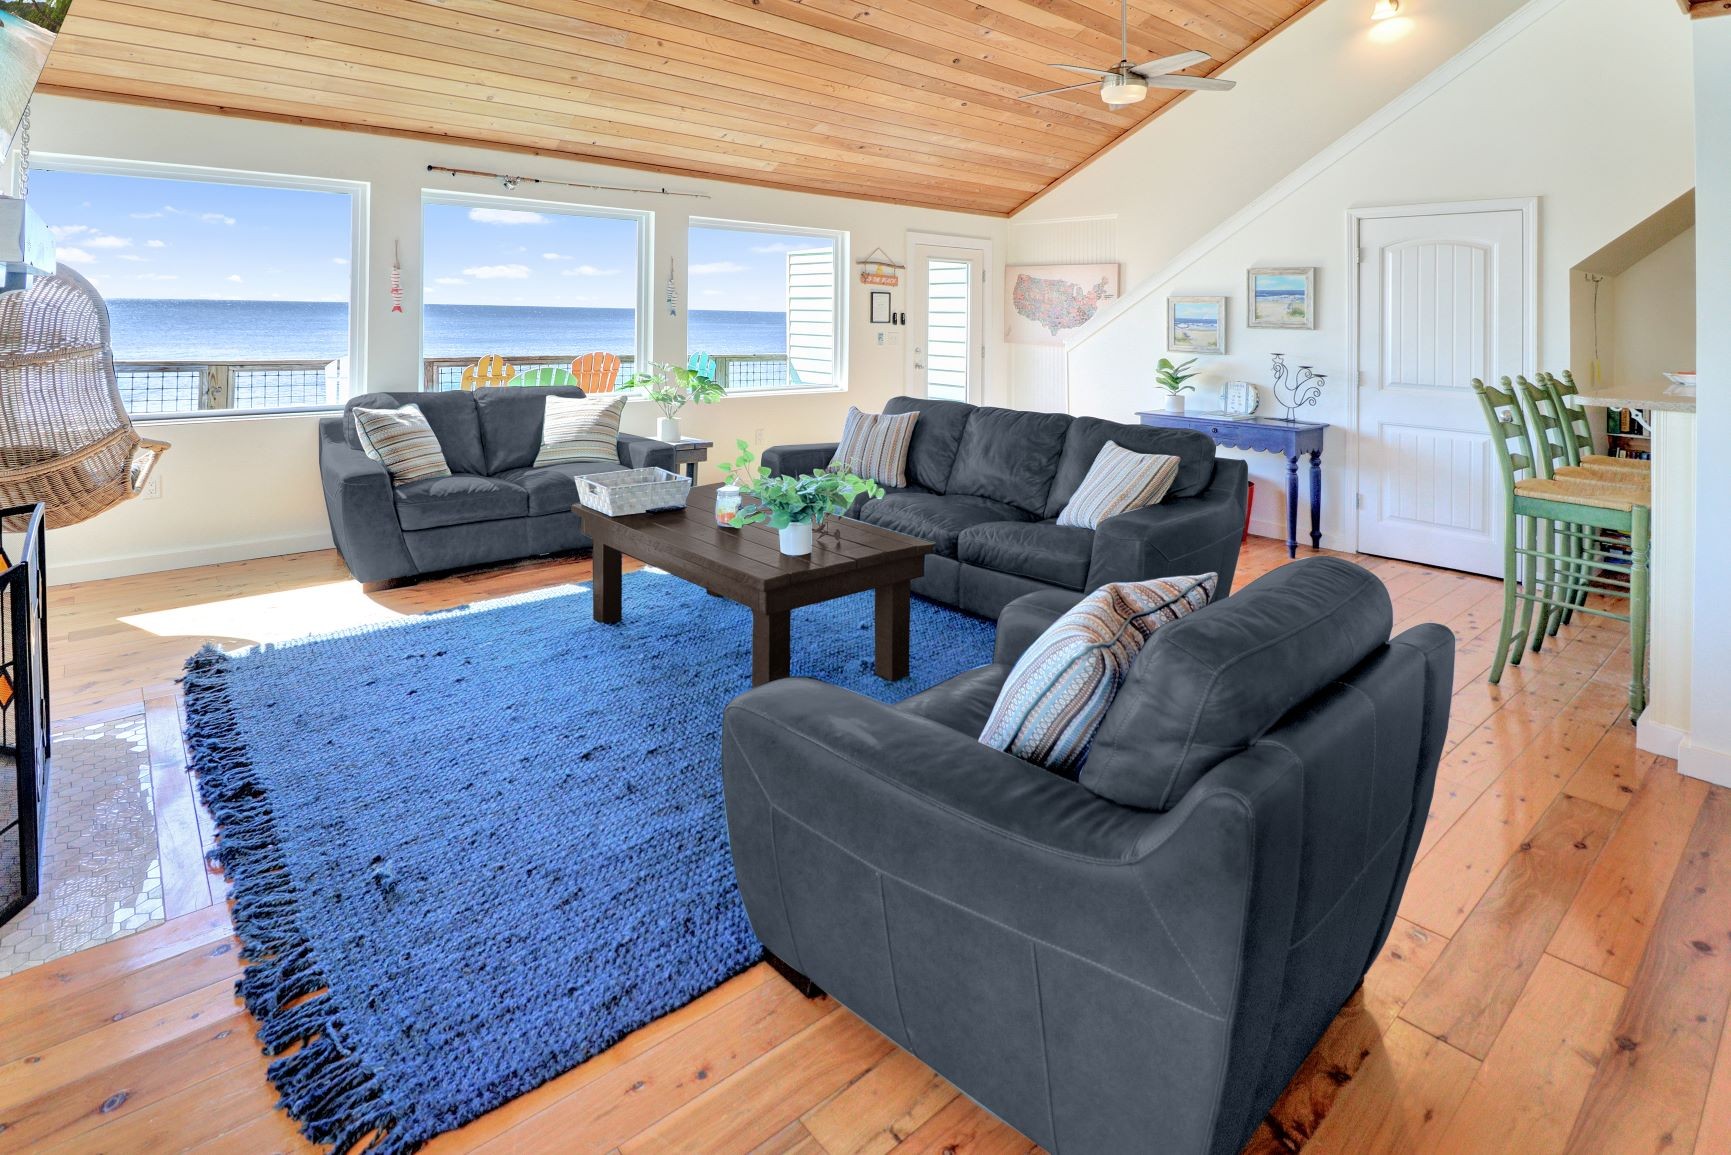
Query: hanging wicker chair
{"x": 65, "y": 439}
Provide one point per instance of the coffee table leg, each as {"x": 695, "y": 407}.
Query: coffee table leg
{"x": 892, "y": 631}
{"x": 771, "y": 634}
{"x": 604, "y": 564}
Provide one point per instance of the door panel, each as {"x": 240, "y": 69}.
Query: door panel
{"x": 1442, "y": 300}
{"x": 946, "y": 357}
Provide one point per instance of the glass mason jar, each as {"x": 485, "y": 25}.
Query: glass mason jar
{"x": 726, "y": 505}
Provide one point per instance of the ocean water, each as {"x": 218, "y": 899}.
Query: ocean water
{"x": 174, "y": 330}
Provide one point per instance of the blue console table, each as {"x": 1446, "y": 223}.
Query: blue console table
{"x": 1267, "y": 435}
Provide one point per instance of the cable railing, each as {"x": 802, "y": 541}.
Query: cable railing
{"x": 737, "y": 372}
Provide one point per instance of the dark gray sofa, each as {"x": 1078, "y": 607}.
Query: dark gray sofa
{"x": 1109, "y": 978}
{"x": 496, "y": 506}
{"x": 986, "y": 485}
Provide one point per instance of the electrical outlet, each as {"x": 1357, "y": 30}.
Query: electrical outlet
{"x": 758, "y": 440}
{"x": 152, "y": 488}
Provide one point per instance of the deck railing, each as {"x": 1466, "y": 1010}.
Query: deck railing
{"x": 149, "y": 387}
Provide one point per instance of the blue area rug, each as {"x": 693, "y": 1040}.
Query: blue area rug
{"x": 491, "y": 842}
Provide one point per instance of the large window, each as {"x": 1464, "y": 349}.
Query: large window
{"x": 226, "y": 291}
{"x": 767, "y": 303}
{"x": 537, "y": 284}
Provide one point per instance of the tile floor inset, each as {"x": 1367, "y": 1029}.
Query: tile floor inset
{"x": 101, "y": 872}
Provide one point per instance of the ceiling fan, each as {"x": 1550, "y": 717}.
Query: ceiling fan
{"x": 1129, "y": 83}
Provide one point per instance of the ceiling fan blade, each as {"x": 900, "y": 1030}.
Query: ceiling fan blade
{"x": 1167, "y": 64}
{"x": 1055, "y": 91}
{"x": 1082, "y": 69}
{"x": 1193, "y": 83}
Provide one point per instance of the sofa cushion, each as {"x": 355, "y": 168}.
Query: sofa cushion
{"x": 963, "y": 703}
{"x": 938, "y": 518}
{"x": 1062, "y": 687}
{"x": 875, "y": 446}
{"x": 937, "y": 436}
{"x": 1088, "y": 435}
{"x": 451, "y": 414}
{"x": 510, "y": 418}
{"x": 1208, "y": 687}
{"x": 458, "y": 500}
{"x": 550, "y": 487}
{"x": 400, "y": 439}
{"x": 1010, "y": 455}
{"x": 1042, "y": 550}
{"x": 1119, "y": 480}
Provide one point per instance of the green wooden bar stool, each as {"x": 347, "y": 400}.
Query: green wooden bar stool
{"x": 1566, "y": 398}
{"x": 1532, "y": 575}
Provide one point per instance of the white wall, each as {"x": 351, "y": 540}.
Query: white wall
{"x": 1653, "y": 316}
{"x": 1516, "y": 115}
{"x": 248, "y": 487}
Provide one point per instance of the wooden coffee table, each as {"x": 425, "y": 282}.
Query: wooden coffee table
{"x": 745, "y": 566}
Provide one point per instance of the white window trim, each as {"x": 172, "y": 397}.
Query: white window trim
{"x": 360, "y": 215}
{"x": 843, "y": 298}
{"x": 645, "y": 331}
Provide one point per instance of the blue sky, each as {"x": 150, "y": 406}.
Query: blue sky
{"x": 148, "y": 237}
{"x": 155, "y": 238}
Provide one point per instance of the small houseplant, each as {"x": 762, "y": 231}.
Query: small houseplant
{"x": 794, "y": 506}
{"x": 1173, "y": 378}
{"x": 672, "y": 388}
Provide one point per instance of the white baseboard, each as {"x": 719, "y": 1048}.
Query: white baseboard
{"x": 1704, "y": 762}
{"x": 1657, "y": 737}
{"x": 95, "y": 569}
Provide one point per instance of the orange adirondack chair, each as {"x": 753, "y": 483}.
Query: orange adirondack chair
{"x": 489, "y": 370}
{"x": 596, "y": 372}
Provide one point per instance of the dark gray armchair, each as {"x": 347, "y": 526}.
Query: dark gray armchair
{"x": 1138, "y": 960}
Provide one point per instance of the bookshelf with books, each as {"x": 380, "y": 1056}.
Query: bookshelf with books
{"x": 1628, "y": 433}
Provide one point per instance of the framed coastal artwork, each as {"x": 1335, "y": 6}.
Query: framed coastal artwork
{"x": 1195, "y": 324}
{"x": 1047, "y": 301}
{"x": 1282, "y": 299}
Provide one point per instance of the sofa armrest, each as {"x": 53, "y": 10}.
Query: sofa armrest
{"x": 1187, "y": 535}
{"x": 636, "y": 452}
{"x": 791, "y": 460}
{"x": 1026, "y": 618}
{"x": 362, "y": 505}
{"x": 926, "y": 880}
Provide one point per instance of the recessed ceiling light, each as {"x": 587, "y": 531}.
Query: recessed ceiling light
{"x": 1385, "y": 9}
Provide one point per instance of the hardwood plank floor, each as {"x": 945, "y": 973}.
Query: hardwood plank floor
{"x": 1559, "y": 978}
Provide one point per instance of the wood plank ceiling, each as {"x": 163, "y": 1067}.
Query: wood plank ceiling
{"x": 912, "y": 101}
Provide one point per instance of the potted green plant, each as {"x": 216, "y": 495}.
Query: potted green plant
{"x": 794, "y": 506}
{"x": 1172, "y": 378}
{"x": 672, "y": 388}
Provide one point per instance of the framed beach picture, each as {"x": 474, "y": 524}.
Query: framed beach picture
{"x": 1195, "y": 324}
{"x": 1282, "y": 299}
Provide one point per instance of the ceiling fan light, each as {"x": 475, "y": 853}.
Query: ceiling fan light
{"x": 1118, "y": 91}
{"x": 1385, "y": 10}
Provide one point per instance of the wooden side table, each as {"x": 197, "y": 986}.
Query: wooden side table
{"x": 1291, "y": 439}
{"x": 690, "y": 451}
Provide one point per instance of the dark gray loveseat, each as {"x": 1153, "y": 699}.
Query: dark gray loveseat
{"x": 1136, "y": 962}
{"x": 496, "y": 506}
{"x": 986, "y": 485}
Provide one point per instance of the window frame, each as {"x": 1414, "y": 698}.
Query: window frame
{"x": 645, "y": 218}
{"x": 360, "y": 215}
{"x": 843, "y": 295}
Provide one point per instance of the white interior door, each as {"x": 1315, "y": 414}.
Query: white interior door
{"x": 1442, "y": 299}
{"x": 946, "y": 322}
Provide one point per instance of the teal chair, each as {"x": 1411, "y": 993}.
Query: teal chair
{"x": 1543, "y": 510}
{"x": 702, "y": 364}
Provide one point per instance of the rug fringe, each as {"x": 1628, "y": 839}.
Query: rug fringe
{"x": 324, "y": 1085}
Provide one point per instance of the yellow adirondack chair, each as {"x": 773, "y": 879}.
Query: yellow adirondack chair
{"x": 489, "y": 370}
{"x": 596, "y": 372}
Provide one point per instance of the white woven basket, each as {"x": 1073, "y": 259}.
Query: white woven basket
{"x": 631, "y": 491}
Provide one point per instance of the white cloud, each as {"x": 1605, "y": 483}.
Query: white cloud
{"x": 152, "y": 216}
{"x": 555, "y": 256}
{"x": 588, "y": 271}
{"x": 506, "y": 217}
{"x": 129, "y": 257}
{"x": 339, "y": 260}
{"x": 104, "y": 241}
{"x": 497, "y": 272}
{"x": 449, "y": 281}
{"x": 710, "y": 268}
{"x": 216, "y": 219}
{"x": 62, "y": 232}
{"x": 156, "y": 244}
{"x": 234, "y": 279}
{"x": 74, "y": 256}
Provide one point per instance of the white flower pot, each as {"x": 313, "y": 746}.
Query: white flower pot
{"x": 1174, "y": 404}
{"x": 796, "y": 539}
{"x": 667, "y": 429}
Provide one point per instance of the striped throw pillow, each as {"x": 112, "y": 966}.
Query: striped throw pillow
{"x": 1119, "y": 480}
{"x": 580, "y": 429}
{"x": 401, "y": 440}
{"x": 875, "y": 446}
{"x": 1060, "y": 689}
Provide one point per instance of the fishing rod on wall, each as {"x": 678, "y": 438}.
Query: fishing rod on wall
{"x": 511, "y": 182}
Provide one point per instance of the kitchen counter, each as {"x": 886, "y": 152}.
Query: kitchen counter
{"x": 1635, "y": 397}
